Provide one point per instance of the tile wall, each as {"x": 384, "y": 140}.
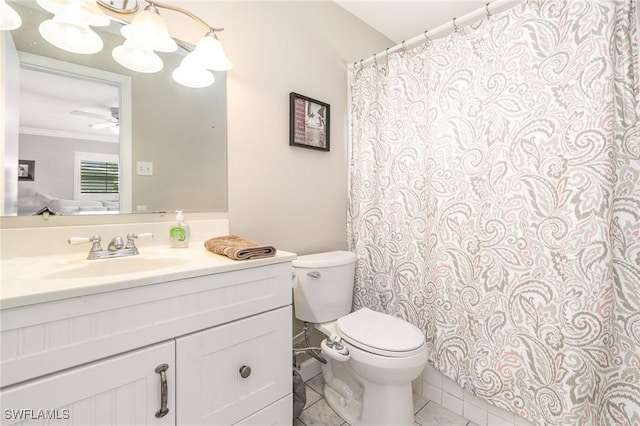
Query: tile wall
{"x": 440, "y": 389}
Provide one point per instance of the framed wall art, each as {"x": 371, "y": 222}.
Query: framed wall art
{"x": 308, "y": 122}
{"x": 26, "y": 169}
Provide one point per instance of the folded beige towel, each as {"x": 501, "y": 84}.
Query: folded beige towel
{"x": 238, "y": 248}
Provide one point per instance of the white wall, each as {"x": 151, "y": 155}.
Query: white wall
{"x": 9, "y": 94}
{"x": 294, "y": 198}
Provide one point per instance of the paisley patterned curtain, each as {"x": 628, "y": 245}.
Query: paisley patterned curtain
{"x": 495, "y": 203}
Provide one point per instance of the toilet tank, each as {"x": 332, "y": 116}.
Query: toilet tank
{"x": 323, "y": 285}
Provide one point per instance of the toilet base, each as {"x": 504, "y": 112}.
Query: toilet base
{"x": 387, "y": 405}
{"x": 348, "y": 409}
{"x": 377, "y": 405}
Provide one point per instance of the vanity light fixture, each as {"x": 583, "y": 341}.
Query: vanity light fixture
{"x": 9, "y": 18}
{"x": 148, "y": 34}
{"x": 69, "y": 30}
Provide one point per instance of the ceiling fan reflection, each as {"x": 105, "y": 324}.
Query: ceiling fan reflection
{"x": 112, "y": 122}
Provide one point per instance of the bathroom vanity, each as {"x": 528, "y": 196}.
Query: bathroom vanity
{"x": 167, "y": 337}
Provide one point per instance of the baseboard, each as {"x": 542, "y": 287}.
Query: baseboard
{"x": 310, "y": 368}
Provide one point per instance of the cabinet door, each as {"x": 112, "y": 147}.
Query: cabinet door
{"x": 211, "y": 390}
{"x": 121, "y": 390}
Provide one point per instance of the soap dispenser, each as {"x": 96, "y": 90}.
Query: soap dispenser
{"x": 179, "y": 232}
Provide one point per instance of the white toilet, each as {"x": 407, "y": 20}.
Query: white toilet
{"x": 372, "y": 357}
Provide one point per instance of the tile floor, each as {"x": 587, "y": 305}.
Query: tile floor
{"x": 318, "y": 413}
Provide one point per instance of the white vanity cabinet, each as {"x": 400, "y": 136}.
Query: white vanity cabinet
{"x": 225, "y": 338}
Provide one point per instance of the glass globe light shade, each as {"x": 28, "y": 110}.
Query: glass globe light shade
{"x": 9, "y": 18}
{"x": 81, "y": 12}
{"x": 70, "y": 36}
{"x": 210, "y": 54}
{"x": 137, "y": 58}
{"x": 189, "y": 74}
{"x": 149, "y": 31}
{"x": 53, "y": 6}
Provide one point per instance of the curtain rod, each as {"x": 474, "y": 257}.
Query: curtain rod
{"x": 455, "y": 24}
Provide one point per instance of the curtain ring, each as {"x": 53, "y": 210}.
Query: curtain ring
{"x": 486, "y": 7}
{"x": 403, "y": 46}
{"x": 386, "y": 67}
{"x": 360, "y": 69}
{"x": 455, "y": 27}
{"x": 375, "y": 61}
{"x": 426, "y": 37}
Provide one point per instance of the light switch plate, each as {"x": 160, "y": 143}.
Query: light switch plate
{"x": 144, "y": 168}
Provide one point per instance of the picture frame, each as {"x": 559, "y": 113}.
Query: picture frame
{"x": 309, "y": 122}
{"x": 26, "y": 169}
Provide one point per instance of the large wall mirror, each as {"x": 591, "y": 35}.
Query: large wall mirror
{"x": 158, "y": 146}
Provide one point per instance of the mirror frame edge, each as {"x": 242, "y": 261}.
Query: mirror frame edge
{"x": 37, "y": 222}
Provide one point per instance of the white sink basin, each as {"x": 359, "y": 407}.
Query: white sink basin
{"x": 117, "y": 266}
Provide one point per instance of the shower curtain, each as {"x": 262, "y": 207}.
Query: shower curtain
{"x": 495, "y": 204}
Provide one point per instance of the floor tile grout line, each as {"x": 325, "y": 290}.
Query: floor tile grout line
{"x": 306, "y": 408}
{"x": 422, "y": 408}
{"x": 309, "y": 387}
{"x": 418, "y": 410}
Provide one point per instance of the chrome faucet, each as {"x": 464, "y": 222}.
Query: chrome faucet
{"x": 116, "y": 247}
{"x": 115, "y": 244}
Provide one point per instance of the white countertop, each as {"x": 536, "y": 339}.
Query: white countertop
{"x": 38, "y": 279}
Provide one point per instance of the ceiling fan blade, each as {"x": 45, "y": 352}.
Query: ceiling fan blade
{"x": 90, "y": 115}
{"x": 103, "y": 125}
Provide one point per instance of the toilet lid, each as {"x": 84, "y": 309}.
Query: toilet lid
{"x": 379, "y": 333}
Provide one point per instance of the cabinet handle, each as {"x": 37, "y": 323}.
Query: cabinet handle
{"x": 163, "y": 390}
{"x": 245, "y": 371}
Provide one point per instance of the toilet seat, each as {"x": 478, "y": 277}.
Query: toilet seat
{"x": 380, "y": 334}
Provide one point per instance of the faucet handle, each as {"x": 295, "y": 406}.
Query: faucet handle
{"x": 131, "y": 236}
{"x": 82, "y": 240}
{"x": 95, "y": 239}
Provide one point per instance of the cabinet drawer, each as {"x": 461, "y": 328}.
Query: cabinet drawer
{"x": 209, "y": 364}
{"x": 277, "y": 414}
{"x": 121, "y": 390}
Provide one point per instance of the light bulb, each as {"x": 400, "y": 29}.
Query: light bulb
{"x": 9, "y": 18}
{"x": 137, "y": 58}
